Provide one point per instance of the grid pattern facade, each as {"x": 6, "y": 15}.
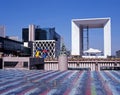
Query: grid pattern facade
{"x": 50, "y": 45}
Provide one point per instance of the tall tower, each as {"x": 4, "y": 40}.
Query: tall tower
{"x": 31, "y": 32}
{"x": 2, "y": 31}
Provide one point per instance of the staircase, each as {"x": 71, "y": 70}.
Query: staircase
{"x": 19, "y": 65}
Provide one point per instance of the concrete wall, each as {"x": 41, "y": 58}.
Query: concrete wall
{"x": 93, "y": 65}
{"x": 18, "y": 62}
{"x": 63, "y": 62}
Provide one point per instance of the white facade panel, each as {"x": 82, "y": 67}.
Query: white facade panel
{"x": 75, "y": 39}
{"x": 107, "y": 39}
{"x": 26, "y": 44}
{"x": 31, "y": 32}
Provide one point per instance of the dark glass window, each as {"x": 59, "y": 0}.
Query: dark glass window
{"x": 40, "y": 34}
{"x": 25, "y": 35}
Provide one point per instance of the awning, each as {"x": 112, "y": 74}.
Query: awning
{"x": 92, "y": 51}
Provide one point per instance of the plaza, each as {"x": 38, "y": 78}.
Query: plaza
{"x": 41, "y": 82}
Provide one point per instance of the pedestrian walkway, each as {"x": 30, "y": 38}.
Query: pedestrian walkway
{"x": 40, "y": 82}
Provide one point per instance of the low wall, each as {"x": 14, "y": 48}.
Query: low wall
{"x": 91, "y": 65}
{"x": 53, "y": 65}
{"x": 23, "y": 63}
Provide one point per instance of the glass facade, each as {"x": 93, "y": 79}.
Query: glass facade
{"x": 41, "y": 34}
{"x": 12, "y": 47}
{"x": 25, "y": 34}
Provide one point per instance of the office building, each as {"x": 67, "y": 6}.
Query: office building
{"x": 35, "y": 33}
{"x": 44, "y": 38}
{"x": 9, "y": 47}
{"x": 118, "y": 54}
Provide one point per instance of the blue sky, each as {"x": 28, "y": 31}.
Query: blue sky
{"x": 16, "y": 14}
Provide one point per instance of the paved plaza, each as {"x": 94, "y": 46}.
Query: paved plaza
{"x": 40, "y": 82}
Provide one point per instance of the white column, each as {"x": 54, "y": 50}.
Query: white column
{"x": 75, "y": 39}
{"x": 107, "y": 39}
{"x": 31, "y": 32}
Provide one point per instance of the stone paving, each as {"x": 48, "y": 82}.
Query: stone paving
{"x": 40, "y": 82}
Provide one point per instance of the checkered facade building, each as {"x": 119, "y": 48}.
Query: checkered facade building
{"x": 52, "y": 46}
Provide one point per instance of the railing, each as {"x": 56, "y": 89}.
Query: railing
{"x": 92, "y": 64}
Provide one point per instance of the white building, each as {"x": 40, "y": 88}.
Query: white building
{"x": 77, "y": 33}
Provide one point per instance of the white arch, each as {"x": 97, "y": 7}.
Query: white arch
{"x": 77, "y": 33}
